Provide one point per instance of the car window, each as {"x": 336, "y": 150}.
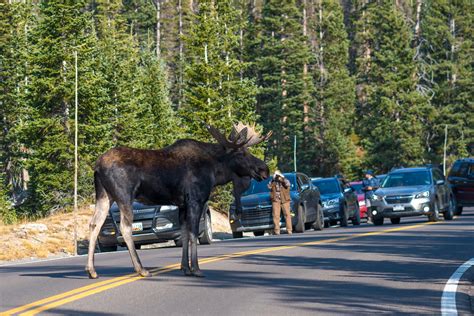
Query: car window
{"x": 262, "y": 186}
{"x": 401, "y": 179}
{"x": 463, "y": 169}
{"x": 437, "y": 175}
{"x": 455, "y": 169}
{"x": 327, "y": 186}
{"x": 470, "y": 171}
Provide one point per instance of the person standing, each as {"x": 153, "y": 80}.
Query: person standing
{"x": 369, "y": 185}
{"x": 280, "y": 196}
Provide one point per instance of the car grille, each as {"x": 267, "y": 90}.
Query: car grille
{"x": 402, "y": 199}
{"x": 256, "y": 214}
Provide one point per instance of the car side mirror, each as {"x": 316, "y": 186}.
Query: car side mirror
{"x": 439, "y": 182}
{"x": 348, "y": 190}
{"x": 304, "y": 187}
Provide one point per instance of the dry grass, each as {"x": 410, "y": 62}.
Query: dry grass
{"x": 18, "y": 243}
{"x": 56, "y": 240}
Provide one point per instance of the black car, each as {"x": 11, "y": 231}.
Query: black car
{"x": 151, "y": 224}
{"x": 256, "y": 216}
{"x": 461, "y": 180}
{"x": 339, "y": 203}
{"x": 412, "y": 192}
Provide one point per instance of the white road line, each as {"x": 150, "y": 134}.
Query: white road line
{"x": 448, "y": 300}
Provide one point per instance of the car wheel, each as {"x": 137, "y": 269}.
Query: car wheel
{"x": 378, "y": 221}
{"x": 299, "y": 228}
{"x": 356, "y": 218}
{"x": 344, "y": 219}
{"x": 178, "y": 242}
{"x": 319, "y": 224}
{"x": 434, "y": 217}
{"x": 332, "y": 223}
{"x": 326, "y": 224}
{"x": 395, "y": 220}
{"x": 107, "y": 248}
{"x": 138, "y": 247}
{"x": 206, "y": 238}
{"x": 237, "y": 234}
{"x": 449, "y": 213}
{"x": 458, "y": 210}
{"x": 259, "y": 233}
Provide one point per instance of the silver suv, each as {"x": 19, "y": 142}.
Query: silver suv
{"x": 412, "y": 192}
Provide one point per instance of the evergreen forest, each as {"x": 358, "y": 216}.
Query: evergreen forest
{"x": 349, "y": 84}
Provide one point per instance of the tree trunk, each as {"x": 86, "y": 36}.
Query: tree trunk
{"x": 305, "y": 72}
{"x": 418, "y": 20}
{"x": 158, "y": 28}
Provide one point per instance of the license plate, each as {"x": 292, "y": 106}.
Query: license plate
{"x": 398, "y": 208}
{"x": 137, "y": 227}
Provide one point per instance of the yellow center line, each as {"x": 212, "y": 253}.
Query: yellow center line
{"x": 76, "y": 294}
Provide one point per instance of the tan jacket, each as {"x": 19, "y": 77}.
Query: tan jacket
{"x": 284, "y": 191}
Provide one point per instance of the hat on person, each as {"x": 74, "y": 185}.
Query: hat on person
{"x": 278, "y": 173}
{"x": 371, "y": 172}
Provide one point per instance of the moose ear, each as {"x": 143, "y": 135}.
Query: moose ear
{"x": 217, "y": 135}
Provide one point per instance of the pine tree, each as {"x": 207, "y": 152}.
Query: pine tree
{"x": 333, "y": 113}
{"x": 393, "y": 113}
{"x": 63, "y": 27}
{"x": 284, "y": 89}
{"x": 214, "y": 92}
{"x": 15, "y": 23}
{"x": 445, "y": 63}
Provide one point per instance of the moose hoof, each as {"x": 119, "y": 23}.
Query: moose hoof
{"x": 145, "y": 273}
{"x": 186, "y": 271}
{"x": 92, "y": 274}
{"x": 197, "y": 273}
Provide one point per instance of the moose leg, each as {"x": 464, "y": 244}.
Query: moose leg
{"x": 185, "y": 242}
{"x": 102, "y": 206}
{"x": 194, "y": 218}
{"x": 126, "y": 220}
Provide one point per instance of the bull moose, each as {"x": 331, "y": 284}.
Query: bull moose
{"x": 182, "y": 174}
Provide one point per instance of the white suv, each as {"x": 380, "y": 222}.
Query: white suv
{"x": 412, "y": 192}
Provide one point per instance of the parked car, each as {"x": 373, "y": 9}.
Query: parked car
{"x": 381, "y": 177}
{"x": 412, "y": 192}
{"x": 357, "y": 186}
{"x": 151, "y": 224}
{"x": 256, "y": 214}
{"x": 461, "y": 180}
{"x": 339, "y": 203}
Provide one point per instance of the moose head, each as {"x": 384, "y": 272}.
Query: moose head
{"x": 239, "y": 159}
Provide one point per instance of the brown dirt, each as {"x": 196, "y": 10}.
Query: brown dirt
{"x": 53, "y": 236}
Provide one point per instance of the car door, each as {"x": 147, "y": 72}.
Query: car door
{"x": 441, "y": 189}
{"x": 462, "y": 180}
{"x": 350, "y": 197}
{"x": 307, "y": 196}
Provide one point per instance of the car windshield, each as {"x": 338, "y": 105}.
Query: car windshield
{"x": 327, "y": 186}
{"x": 405, "y": 179}
{"x": 357, "y": 187}
{"x": 262, "y": 186}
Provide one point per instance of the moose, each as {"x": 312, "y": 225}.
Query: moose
{"x": 182, "y": 174}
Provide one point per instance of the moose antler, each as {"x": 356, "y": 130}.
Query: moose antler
{"x": 253, "y": 137}
{"x": 241, "y": 136}
{"x": 237, "y": 141}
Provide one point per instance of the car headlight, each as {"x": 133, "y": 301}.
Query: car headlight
{"x": 376, "y": 197}
{"x": 422, "y": 195}
{"x": 168, "y": 208}
{"x": 329, "y": 203}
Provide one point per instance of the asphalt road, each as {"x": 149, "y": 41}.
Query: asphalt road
{"x": 391, "y": 269}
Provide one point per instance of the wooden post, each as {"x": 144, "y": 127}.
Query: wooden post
{"x": 75, "y": 152}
